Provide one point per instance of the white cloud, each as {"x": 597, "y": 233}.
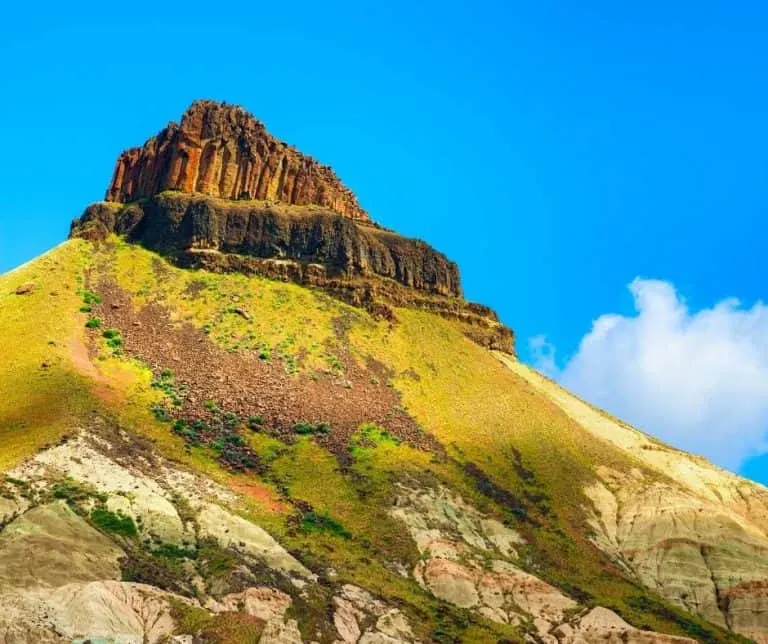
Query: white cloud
{"x": 543, "y": 353}
{"x": 696, "y": 379}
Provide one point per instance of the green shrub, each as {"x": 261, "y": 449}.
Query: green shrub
{"x": 89, "y": 297}
{"x": 171, "y": 551}
{"x": 161, "y": 413}
{"x": 255, "y": 422}
{"x": 94, "y": 323}
{"x": 73, "y": 492}
{"x": 214, "y": 560}
{"x": 114, "y": 522}
{"x": 303, "y": 428}
{"x": 113, "y": 338}
{"x": 315, "y": 522}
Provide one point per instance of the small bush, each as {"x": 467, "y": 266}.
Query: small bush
{"x": 171, "y": 551}
{"x": 89, "y": 297}
{"x": 255, "y": 422}
{"x": 115, "y": 523}
{"x": 113, "y": 338}
{"x": 214, "y": 560}
{"x": 304, "y": 428}
{"x": 73, "y": 492}
{"x": 315, "y": 522}
{"x": 94, "y": 323}
{"x": 161, "y": 413}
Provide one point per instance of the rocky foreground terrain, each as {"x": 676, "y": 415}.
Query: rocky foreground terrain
{"x": 228, "y": 419}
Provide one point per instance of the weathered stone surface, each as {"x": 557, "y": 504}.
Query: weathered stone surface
{"x": 355, "y": 608}
{"x": 694, "y": 533}
{"x": 25, "y": 289}
{"x": 49, "y": 546}
{"x": 469, "y": 560}
{"x": 97, "y": 611}
{"x": 218, "y": 192}
{"x": 223, "y": 151}
{"x": 175, "y": 223}
{"x": 136, "y": 496}
{"x": 124, "y": 612}
{"x": 236, "y": 532}
{"x": 603, "y": 626}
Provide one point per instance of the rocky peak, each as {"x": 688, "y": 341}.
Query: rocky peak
{"x": 221, "y": 150}
{"x": 218, "y": 192}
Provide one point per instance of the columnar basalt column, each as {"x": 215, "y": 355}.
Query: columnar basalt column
{"x": 222, "y": 151}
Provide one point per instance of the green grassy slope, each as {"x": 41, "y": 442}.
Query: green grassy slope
{"x": 507, "y": 448}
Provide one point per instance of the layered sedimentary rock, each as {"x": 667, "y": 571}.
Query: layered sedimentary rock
{"x": 692, "y": 532}
{"x": 177, "y": 223}
{"x": 223, "y": 151}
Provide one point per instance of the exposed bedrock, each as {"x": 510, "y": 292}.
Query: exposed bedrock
{"x": 358, "y": 262}
{"x": 177, "y": 222}
{"x": 223, "y": 151}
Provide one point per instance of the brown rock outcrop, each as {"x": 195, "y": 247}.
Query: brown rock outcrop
{"x": 223, "y": 151}
{"x": 174, "y": 223}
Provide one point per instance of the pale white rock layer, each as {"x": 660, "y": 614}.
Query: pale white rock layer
{"x": 696, "y": 534}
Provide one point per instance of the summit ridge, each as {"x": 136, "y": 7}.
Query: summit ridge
{"x": 221, "y": 150}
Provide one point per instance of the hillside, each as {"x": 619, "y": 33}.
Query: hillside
{"x": 250, "y": 421}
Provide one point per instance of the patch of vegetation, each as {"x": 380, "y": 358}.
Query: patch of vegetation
{"x": 114, "y": 522}
{"x": 232, "y": 628}
{"x": 255, "y": 423}
{"x": 167, "y": 384}
{"x": 315, "y": 522}
{"x": 213, "y": 560}
{"x": 89, "y": 297}
{"x": 94, "y": 323}
{"x": 190, "y": 620}
{"x": 161, "y": 413}
{"x": 171, "y": 551}
{"x": 334, "y": 362}
{"x": 114, "y": 339}
{"x": 369, "y": 436}
{"x": 76, "y": 493}
{"x": 503, "y": 497}
{"x": 37, "y": 407}
{"x": 304, "y": 428}
{"x": 166, "y": 565}
{"x": 140, "y": 565}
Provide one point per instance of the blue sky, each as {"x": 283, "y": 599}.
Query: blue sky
{"x": 556, "y": 150}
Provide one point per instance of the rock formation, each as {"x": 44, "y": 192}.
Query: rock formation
{"x": 311, "y": 236}
{"x": 219, "y": 192}
{"x": 223, "y": 151}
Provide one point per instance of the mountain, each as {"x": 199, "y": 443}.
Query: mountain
{"x": 233, "y": 408}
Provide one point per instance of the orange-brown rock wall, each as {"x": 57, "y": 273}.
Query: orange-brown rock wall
{"x": 222, "y": 151}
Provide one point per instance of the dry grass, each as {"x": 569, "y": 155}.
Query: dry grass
{"x": 42, "y": 392}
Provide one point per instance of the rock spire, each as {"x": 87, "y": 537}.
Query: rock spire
{"x": 222, "y": 151}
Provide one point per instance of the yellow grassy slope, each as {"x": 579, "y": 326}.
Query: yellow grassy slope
{"x": 483, "y": 412}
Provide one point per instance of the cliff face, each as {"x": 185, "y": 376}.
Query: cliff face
{"x": 223, "y": 151}
{"x": 345, "y": 248}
